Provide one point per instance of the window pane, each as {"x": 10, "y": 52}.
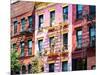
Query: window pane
{"x": 79, "y": 38}
{"x": 23, "y": 23}
{"x": 79, "y": 9}
{"x": 30, "y": 47}
{"x": 15, "y": 26}
{"x": 51, "y": 67}
{"x": 30, "y": 43}
{"x": 92, "y": 10}
{"x": 65, "y": 38}
{"x": 65, "y": 13}
{"x": 30, "y": 19}
{"x": 40, "y": 45}
{"x": 52, "y": 17}
{"x": 92, "y": 36}
{"x": 22, "y": 48}
{"x": 40, "y": 21}
{"x": 64, "y": 66}
{"x": 51, "y": 40}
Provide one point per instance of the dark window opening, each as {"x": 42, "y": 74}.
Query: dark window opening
{"x": 79, "y": 64}
{"x": 23, "y": 69}
{"x": 29, "y": 68}
{"x": 51, "y": 67}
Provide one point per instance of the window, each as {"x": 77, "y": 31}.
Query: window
{"x": 92, "y": 10}
{"x": 79, "y": 10}
{"x": 65, "y": 13}
{"x": 15, "y": 27}
{"x": 30, "y": 19}
{"x": 92, "y": 32}
{"x": 30, "y": 47}
{"x": 40, "y": 21}
{"x": 14, "y": 46}
{"x": 79, "y": 64}
{"x": 23, "y": 24}
{"x": 51, "y": 40}
{"x": 22, "y": 48}
{"x": 64, "y": 66}
{"x": 23, "y": 69}
{"x": 52, "y": 17}
{"x": 65, "y": 40}
{"x": 51, "y": 67}
{"x": 79, "y": 38}
{"x": 40, "y": 45}
{"x": 29, "y": 68}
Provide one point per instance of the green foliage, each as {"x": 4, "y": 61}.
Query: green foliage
{"x": 15, "y": 66}
{"x": 36, "y": 65}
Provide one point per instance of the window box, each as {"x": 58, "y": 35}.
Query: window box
{"x": 53, "y": 55}
{"x": 51, "y": 29}
{"x": 64, "y": 53}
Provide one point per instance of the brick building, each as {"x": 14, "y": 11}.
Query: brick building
{"x": 62, "y": 34}
{"x": 51, "y": 36}
{"x": 84, "y": 37}
{"x": 22, "y": 32}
